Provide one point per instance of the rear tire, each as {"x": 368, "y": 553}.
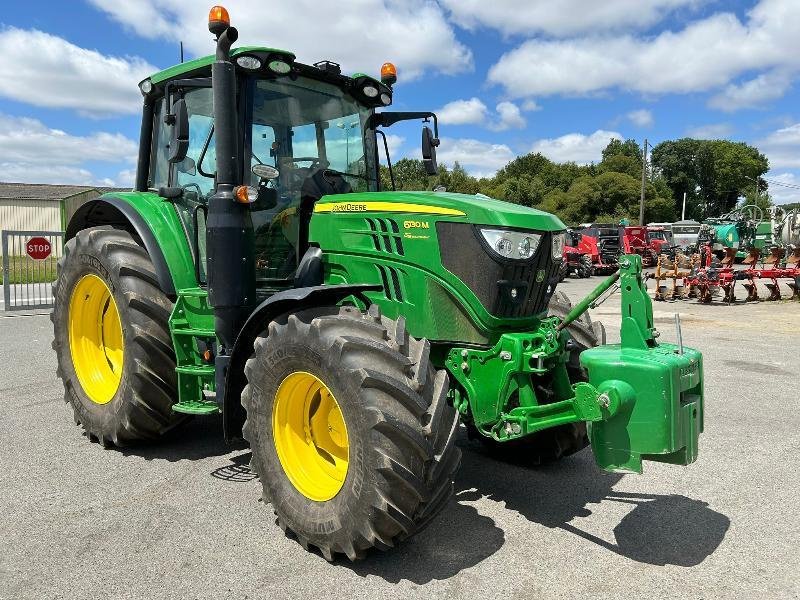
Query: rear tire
{"x": 585, "y": 268}
{"x": 138, "y": 407}
{"x": 399, "y": 429}
{"x": 555, "y": 443}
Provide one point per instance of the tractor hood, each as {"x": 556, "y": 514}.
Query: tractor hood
{"x": 477, "y": 209}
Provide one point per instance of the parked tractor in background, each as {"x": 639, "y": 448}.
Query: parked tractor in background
{"x": 577, "y": 256}
{"x": 659, "y": 238}
{"x": 635, "y": 240}
{"x": 604, "y": 244}
{"x": 258, "y": 272}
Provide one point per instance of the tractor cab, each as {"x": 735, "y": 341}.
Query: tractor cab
{"x": 303, "y": 132}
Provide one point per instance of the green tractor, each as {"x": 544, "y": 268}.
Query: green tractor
{"x": 258, "y": 271}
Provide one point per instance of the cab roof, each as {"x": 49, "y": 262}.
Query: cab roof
{"x": 206, "y": 61}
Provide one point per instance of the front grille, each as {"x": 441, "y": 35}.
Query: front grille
{"x": 492, "y": 279}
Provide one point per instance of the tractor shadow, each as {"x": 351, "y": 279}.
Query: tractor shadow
{"x": 659, "y": 530}
{"x": 198, "y": 438}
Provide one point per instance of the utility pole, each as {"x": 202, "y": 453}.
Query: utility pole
{"x": 683, "y": 211}
{"x": 755, "y": 198}
{"x": 644, "y": 181}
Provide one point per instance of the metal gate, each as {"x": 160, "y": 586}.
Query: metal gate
{"x": 29, "y": 268}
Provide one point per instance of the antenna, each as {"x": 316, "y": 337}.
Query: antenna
{"x": 181, "y": 52}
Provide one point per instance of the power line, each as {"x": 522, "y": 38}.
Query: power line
{"x": 781, "y": 183}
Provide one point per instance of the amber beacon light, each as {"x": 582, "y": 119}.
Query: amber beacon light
{"x": 388, "y": 73}
{"x": 218, "y": 20}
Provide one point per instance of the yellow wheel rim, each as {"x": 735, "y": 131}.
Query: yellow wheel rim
{"x": 310, "y": 436}
{"x": 95, "y": 338}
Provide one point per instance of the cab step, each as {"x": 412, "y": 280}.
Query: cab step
{"x": 197, "y": 407}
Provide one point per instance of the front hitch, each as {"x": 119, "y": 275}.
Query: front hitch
{"x": 657, "y": 387}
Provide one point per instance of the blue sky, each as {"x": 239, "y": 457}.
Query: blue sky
{"x": 507, "y": 77}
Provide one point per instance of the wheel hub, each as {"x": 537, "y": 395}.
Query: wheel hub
{"x": 95, "y": 339}
{"x": 310, "y": 436}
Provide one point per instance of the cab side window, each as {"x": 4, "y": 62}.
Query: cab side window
{"x": 159, "y": 165}
{"x": 196, "y": 172}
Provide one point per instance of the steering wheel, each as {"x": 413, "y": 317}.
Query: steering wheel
{"x": 299, "y": 174}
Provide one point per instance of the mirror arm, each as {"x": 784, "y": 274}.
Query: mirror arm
{"x": 387, "y": 119}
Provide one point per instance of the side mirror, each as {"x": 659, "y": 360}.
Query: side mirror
{"x": 429, "y": 144}
{"x": 188, "y": 166}
{"x": 179, "y": 142}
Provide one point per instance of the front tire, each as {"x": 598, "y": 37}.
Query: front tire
{"x": 384, "y": 467}
{"x": 112, "y": 341}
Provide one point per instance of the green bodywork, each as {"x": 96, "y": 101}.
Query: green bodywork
{"x": 643, "y": 400}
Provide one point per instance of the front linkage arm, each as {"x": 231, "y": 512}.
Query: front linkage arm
{"x": 643, "y": 399}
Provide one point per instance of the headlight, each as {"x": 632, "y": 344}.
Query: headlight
{"x": 559, "y": 241}
{"x": 386, "y": 99}
{"x": 370, "y": 91}
{"x": 279, "y": 66}
{"x": 519, "y": 245}
{"x": 251, "y": 63}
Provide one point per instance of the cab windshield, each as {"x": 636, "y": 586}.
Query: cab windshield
{"x": 312, "y": 133}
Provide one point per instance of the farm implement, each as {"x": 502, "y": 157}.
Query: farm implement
{"x": 704, "y": 276}
{"x": 258, "y": 273}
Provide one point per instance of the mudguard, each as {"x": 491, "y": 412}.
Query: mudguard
{"x": 155, "y": 222}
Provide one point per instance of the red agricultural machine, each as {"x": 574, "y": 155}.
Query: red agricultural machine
{"x": 704, "y": 276}
{"x": 604, "y": 244}
{"x": 635, "y": 240}
{"x": 659, "y": 239}
{"x": 578, "y": 255}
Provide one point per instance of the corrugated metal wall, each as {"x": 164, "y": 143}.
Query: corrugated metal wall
{"x": 73, "y": 203}
{"x": 30, "y": 215}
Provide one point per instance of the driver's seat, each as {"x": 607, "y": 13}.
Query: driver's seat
{"x": 321, "y": 183}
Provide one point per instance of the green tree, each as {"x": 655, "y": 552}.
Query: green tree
{"x": 629, "y": 148}
{"x": 712, "y": 173}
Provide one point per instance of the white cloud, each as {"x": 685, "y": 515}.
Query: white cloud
{"x": 395, "y": 143}
{"x": 576, "y": 147}
{"x": 560, "y": 18}
{"x": 530, "y": 106}
{"x": 781, "y": 194}
{"x": 464, "y": 112}
{"x": 641, "y": 118}
{"x": 45, "y": 70}
{"x": 29, "y": 140}
{"x": 510, "y": 117}
{"x": 752, "y": 93}
{"x": 712, "y": 131}
{"x": 126, "y": 178}
{"x": 34, "y": 173}
{"x": 32, "y": 152}
{"x": 481, "y": 159}
{"x": 705, "y": 55}
{"x": 475, "y": 112}
{"x": 360, "y": 34}
{"x": 782, "y": 147}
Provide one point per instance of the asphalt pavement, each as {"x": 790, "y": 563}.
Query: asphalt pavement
{"x": 182, "y": 518}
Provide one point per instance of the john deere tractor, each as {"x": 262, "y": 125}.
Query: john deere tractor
{"x": 258, "y": 271}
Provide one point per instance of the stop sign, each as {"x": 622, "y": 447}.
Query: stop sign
{"x": 38, "y": 248}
